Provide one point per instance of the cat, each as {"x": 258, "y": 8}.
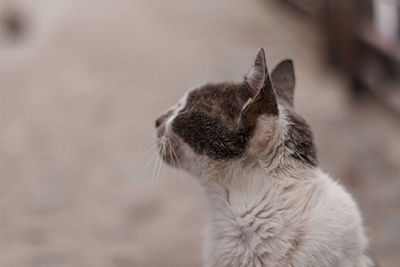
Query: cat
{"x": 270, "y": 204}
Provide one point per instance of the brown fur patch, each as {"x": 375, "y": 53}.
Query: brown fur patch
{"x": 299, "y": 141}
{"x": 211, "y": 125}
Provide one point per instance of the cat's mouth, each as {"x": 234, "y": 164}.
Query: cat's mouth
{"x": 167, "y": 152}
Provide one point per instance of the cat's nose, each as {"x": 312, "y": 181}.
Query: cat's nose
{"x": 162, "y": 119}
{"x": 158, "y": 122}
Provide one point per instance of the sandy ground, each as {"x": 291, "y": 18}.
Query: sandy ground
{"x": 79, "y": 94}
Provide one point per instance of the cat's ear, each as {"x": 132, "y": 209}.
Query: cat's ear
{"x": 255, "y": 77}
{"x": 284, "y": 81}
{"x": 263, "y": 99}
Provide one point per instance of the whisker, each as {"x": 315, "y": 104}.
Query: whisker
{"x": 147, "y": 151}
{"x": 152, "y": 158}
{"x": 174, "y": 156}
{"x": 181, "y": 172}
{"x": 173, "y": 162}
{"x": 158, "y": 158}
{"x": 161, "y": 164}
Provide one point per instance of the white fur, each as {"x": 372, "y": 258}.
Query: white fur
{"x": 283, "y": 219}
{"x": 266, "y": 209}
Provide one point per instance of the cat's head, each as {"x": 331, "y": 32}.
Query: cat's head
{"x": 219, "y": 124}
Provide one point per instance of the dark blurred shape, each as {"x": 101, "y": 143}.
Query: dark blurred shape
{"x": 13, "y": 23}
{"x": 313, "y": 8}
{"x": 363, "y": 40}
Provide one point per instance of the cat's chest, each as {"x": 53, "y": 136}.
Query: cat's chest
{"x": 250, "y": 239}
{"x": 248, "y": 230}
{"x": 253, "y": 228}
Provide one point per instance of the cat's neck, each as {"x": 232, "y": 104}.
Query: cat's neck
{"x": 238, "y": 185}
{"x": 268, "y": 172}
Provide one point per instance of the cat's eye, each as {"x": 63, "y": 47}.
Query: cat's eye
{"x": 186, "y": 108}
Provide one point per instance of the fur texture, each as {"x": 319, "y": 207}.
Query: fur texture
{"x": 270, "y": 204}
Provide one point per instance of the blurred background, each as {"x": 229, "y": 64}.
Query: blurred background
{"x": 82, "y": 82}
